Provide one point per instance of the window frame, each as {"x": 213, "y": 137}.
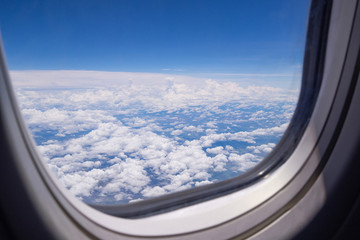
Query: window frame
{"x": 248, "y": 212}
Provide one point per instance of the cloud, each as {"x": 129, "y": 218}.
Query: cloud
{"x": 262, "y": 75}
{"x": 242, "y": 136}
{"x": 52, "y": 79}
{"x": 215, "y": 150}
{"x": 127, "y": 153}
{"x": 153, "y": 95}
{"x": 245, "y": 161}
{"x": 64, "y": 121}
{"x": 264, "y": 148}
{"x": 176, "y": 132}
{"x": 146, "y": 135}
{"x": 153, "y": 191}
{"x": 193, "y": 129}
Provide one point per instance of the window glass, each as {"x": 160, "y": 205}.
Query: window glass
{"x": 128, "y": 100}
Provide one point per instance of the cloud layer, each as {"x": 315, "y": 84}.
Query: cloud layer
{"x": 135, "y": 140}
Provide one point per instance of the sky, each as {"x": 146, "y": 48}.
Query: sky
{"x": 204, "y": 38}
{"x": 128, "y": 100}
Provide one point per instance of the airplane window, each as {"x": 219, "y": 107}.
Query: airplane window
{"x": 131, "y": 100}
{"x": 179, "y": 119}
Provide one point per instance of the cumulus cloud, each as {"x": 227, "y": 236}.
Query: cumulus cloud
{"x": 148, "y": 134}
{"x": 264, "y": 148}
{"x": 193, "y": 129}
{"x": 215, "y": 150}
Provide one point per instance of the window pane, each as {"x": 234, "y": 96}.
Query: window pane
{"x": 174, "y": 95}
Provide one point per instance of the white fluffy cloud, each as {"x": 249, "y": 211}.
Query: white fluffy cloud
{"x": 148, "y": 134}
{"x": 128, "y": 152}
{"x": 264, "y": 148}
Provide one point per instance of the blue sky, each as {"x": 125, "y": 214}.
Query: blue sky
{"x": 187, "y": 36}
{"x": 134, "y": 99}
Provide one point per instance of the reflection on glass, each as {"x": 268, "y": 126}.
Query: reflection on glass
{"x": 180, "y": 93}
